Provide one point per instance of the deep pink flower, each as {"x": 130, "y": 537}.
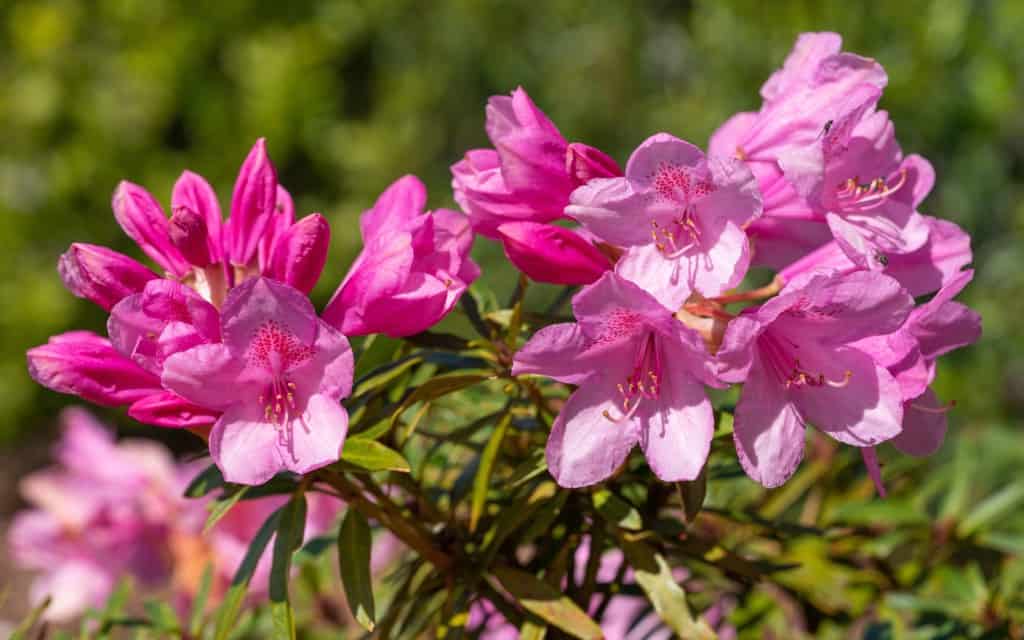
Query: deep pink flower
{"x": 413, "y": 268}
{"x": 547, "y": 253}
{"x": 531, "y": 172}
{"x": 681, "y": 215}
{"x": 641, "y": 377}
{"x": 277, "y": 377}
{"x": 910, "y": 353}
{"x": 797, "y": 356}
{"x": 946, "y": 252}
{"x": 300, "y": 252}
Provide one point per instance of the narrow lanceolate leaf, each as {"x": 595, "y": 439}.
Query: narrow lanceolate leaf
{"x": 668, "y": 599}
{"x": 208, "y": 480}
{"x": 233, "y": 599}
{"x": 548, "y": 603}
{"x": 616, "y": 510}
{"x": 992, "y": 508}
{"x": 354, "y": 544}
{"x": 483, "y": 472}
{"x": 370, "y": 455}
{"x": 290, "y": 531}
{"x": 220, "y": 508}
{"x": 195, "y": 624}
{"x": 436, "y": 387}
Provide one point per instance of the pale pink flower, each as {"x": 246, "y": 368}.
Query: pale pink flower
{"x": 412, "y": 271}
{"x": 681, "y": 216}
{"x": 277, "y": 377}
{"x": 797, "y": 357}
{"x": 641, "y": 377}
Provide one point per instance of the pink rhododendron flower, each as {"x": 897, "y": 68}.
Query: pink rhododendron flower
{"x": 413, "y": 268}
{"x": 531, "y": 172}
{"x": 100, "y": 514}
{"x": 798, "y": 359}
{"x": 277, "y": 377}
{"x": 101, "y": 275}
{"x": 681, "y": 215}
{"x": 641, "y": 377}
{"x": 547, "y": 253}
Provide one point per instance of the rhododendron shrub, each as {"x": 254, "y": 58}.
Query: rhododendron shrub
{"x": 598, "y": 466}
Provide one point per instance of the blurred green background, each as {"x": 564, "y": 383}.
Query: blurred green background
{"x": 352, "y": 95}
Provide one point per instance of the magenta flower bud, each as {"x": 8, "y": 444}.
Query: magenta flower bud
{"x": 547, "y": 253}
{"x": 141, "y": 217}
{"x": 252, "y": 204}
{"x": 300, "y": 253}
{"x": 193, "y": 192}
{"x": 168, "y": 409}
{"x": 189, "y": 234}
{"x": 101, "y": 275}
{"x": 283, "y": 218}
{"x": 583, "y": 163}
{"x": 86, "y": 365}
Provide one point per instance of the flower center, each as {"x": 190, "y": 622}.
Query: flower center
{"x": 278, "y": 351}
{"x": 643, "y": 382}
{"x": 778, "y": 354}
{"x": 854, "y": 196}
{"x": 681, "y": 186}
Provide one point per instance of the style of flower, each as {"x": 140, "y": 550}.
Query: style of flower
{"x": 277, "y": 376}
{"x": 679, "y": 214}
{"x": 412, "y": 271}
{"x": 641, "y": 377}
{"x": 800, "y": 364}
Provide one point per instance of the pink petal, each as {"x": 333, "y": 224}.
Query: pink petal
{"x": 245, "y": 446}
{"x": 801, "y": 66}
{"x": 866, "y": 410}
{"x": 316, "y": 437}
{"x": 611, "y": 210}
{"x": 722, "y": 264}
{"x": 614, "y": 308}
{"x": 209, "y": 375}
{"x": 924, "y": 426}
{"x": 583, "y": 163}
{"x": 405, "y": 199}
{"x": 585, "y": 447}
{"x": 667, "y": 281}
{"x": 726, "y": 141}
{"x": 676, "y": 429}
{"x": 547, "y": 253}
{"x": 255, "y": 302}
{"x": 143, "y": 220}
{"x": 768, "y": 432}
{"x": 193, "y": 192}
{"x": 657, "y": 151}
{"x": 167, "y": 409}
{"x": 947, "y": 251}
{"x": 101, "y": 275}
{"x": 252, "y": 205}
{"x": 555, "y": 351}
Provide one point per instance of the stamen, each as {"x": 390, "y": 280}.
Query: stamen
{"x": 946, "y": 408}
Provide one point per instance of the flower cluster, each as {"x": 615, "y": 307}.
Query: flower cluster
{"x": 815, "y": 186}
{"x": 227, "y": 336}
{"x": 112, "y": 509}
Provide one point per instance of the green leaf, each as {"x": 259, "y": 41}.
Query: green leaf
{"x": 208, "y": 479}
{"x": 991, "y": 508}
{"x": 616, "y": 510}
{"x": 313, "y": 549}
{"x": 384, "y": 374}
{"x": 547, "y": 603}
{"x": 220, "y": 508}
{"x": 370, "y": 455}
{"x": 436, "y": 387}
{"x": 195, "y": 623}
{"x": 692, "y": 494}
{"x": 290, "y": 530}
{"x": 354, "y": 545}
{"x": 669, "y": 600}
{"x": 529, "y": 469}
{"x": 532, "y": 631}
{"x": 482, "y": 480}
{"x": 162, "y": 616}
{"x": 232, "y": 603}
